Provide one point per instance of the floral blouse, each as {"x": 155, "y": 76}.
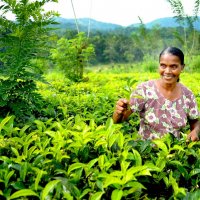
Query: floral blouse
{"x": 159, "y": 115}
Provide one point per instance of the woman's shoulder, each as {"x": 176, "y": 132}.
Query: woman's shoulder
{"x": 149, "y": 83}
{"x": 186, "y": 91}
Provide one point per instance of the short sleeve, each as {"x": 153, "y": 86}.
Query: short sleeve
{"x": 193, "y": 108}
{"x": 137, "y": 99}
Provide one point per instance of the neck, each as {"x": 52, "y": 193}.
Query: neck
{"x": 167, "y": 86}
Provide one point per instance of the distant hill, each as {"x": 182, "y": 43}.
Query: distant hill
{"x": 83, "y": 24}
{"x": 169, "y": 22}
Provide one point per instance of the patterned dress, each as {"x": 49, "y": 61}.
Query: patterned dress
{"x": 159, "y": 115}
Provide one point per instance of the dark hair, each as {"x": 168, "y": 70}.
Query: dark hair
{"x": 174, "y": 51}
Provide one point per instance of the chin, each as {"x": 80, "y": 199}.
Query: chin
{"x": 172, "y": 80}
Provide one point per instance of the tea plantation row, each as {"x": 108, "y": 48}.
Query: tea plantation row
{"x": 74, "y": 151}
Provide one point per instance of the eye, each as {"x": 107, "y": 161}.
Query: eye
{"x": 162, "y": 66}
{"x": 174, "y": 67}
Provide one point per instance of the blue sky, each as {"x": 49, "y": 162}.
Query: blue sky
{"x": 123, "y": 12}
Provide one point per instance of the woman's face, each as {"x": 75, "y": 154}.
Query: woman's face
{"x": 170, "y": 68}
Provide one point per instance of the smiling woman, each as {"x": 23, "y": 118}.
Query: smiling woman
{"x": 164, "y": 105}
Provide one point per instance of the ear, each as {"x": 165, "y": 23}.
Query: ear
{"x": 183, "y": 66}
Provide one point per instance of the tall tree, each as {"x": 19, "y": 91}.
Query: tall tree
{"x": 22, "y": 39}
{"x": 187, "y": 22}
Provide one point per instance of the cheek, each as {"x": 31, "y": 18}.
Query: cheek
{"x": 177, "y": 73}
{"x": 160, "y": 71}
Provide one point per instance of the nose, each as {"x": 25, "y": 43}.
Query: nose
{"x": 168, "y": 70}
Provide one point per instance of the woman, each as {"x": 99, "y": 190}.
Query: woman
{"x": 164, "y": 105}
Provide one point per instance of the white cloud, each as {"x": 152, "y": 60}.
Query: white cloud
{"x": 123, "y": 12}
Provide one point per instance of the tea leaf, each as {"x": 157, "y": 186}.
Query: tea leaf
{"x": 121, "y": 140}
{"x": 92, "y": 162}
{"x": 23, "y": 171}
{"x": 38, "y": 177}
{"x": 97, "y": 196}
{"x": 14, "y": 150}
{"x": 22, "y": 193}
{"x": 49, "y": 186}
{"x": 4, "y": 121}
{"x": 100, "y": 142}
{"x": 111, "y": 180}
{"x": 75, "y": 166}
{"x": 85, "y": 192}
{"x": 134, "y": 185}
{"x": 194, "y": 172}
{"x": 177, "y": 147}
{"x": 138, "y": 159}
{"x": 116, "y": 194}
{"x": 112, "y": 139}
{"x": 161, "y": 145}
{"x": 7, "y": 178}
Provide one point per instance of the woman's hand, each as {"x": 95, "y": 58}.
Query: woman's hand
{"x": 193, "y": 136}
{"x": 122, "y": 112}
{"x": 195, "y": 130}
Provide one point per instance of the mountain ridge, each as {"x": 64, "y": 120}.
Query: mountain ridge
{"x": 85, "y": 24}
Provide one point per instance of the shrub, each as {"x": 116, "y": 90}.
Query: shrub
{"x": 21, "y": 40}
{"x": 71, "y": 56}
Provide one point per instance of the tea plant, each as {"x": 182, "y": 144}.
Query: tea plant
{"x": 75, "y": 151}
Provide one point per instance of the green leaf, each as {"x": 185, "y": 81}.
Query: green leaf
{"x": 161, "y": 145}
{"x": 38, "y": 177}
{"x": 75, "y": 166}
{"x": 111, "y": 180}
{"x": 92, "y": 162}
{"x": 23, "y": 171}
{"x": 191, "y": 144}
{"x": 7, "y": 178}
{"x": 177, "y": 147}
{"x": 4, "y": 121}
{"x": 15, "y": 151}
{"x": 86, "y": 191}
{"x": 194, "y": 172}
{"x": 116, "y": 194}
{"x": 121, "y": 140}
{"x": 97, "y": 196}
{"x": 100, "y": 142}
{"x": 112, "y": 139}
{"x": 101, "y": 161}
{"x": 134, "y": 185}
{"x": 138, "y": 159}
{"x": 22, "y": 193}
{"x": 49, "y": 186}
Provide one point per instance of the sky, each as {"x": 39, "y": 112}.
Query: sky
{"x": 122, "y": 12}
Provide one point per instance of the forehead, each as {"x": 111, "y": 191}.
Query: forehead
{"x": 169, "y": 58}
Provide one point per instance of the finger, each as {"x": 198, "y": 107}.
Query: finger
{"x": 123, "y": 103}
{"x": 120, "y": 109}
{"x": 194, "y": 138}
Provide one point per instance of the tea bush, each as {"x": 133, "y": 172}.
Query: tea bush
{"x": 74, "y": 151}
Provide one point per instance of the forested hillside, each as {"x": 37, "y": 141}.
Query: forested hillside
{"x": 135, "y": 43}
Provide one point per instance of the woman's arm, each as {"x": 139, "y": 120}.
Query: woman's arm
{"x": 121, "y": 112}
{"x": 195, "y": 130}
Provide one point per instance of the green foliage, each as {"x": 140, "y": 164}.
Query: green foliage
{"x": 76, "y": 160}
{"x": 194, "y": 64}
{"x": 71, "y": 56}
{"x": 21, "y": 41}
{"x": 189, "y": 37}
{"x": 76, "y": 152}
